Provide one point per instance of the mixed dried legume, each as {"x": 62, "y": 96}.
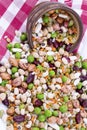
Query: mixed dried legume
{"x": 46, "y": 88}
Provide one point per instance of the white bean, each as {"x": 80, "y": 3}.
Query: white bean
{"x": 2, "y": 96}
{"x": 16, "y": 50}
{"x": 2, "y": 69}
{"x": 57, "y": 64}
{"x": 0, "y": 80}
{"x": 16, "y": 91}
{"x": 22, "y": 111}
{"x": 30, "y": 108}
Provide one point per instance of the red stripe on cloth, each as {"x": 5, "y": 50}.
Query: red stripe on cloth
{"x": 84, "y": 17}
{"x": 2, "y": 51}
{"x": 68, "y": 2}
{"x": 54, "y": 0}
{"x": 4, "y": 4}
{"x": 84, "y": 5}
{"x": 16, "y": 24}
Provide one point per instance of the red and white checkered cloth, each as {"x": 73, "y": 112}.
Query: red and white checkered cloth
{"x": 13, "y": 15}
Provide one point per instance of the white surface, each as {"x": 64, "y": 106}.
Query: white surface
{"x": 2, "y": 123}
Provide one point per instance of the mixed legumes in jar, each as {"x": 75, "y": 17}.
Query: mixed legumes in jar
{"x": 45, "y": 88}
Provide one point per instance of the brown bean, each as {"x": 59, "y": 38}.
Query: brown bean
{"x": 59, "y": 121}
{"x": 31, "y": 67}
{"x": 70, "y": 106}
{"x": 13, "y": 61}
{"x": 83, "y": 113}
{"x": 24, "y": 85}
{"x": 2, "y": 89}
{"x": 22, "y": 65}
{"x": 52, "y": 119}
{"x": 54, "y": 16}
{"x": 76, "y": 103}
{"x": 10, "y": 111}
{"x": 51, "y": 11}
{"x": 5, "y": 76}
{"x": 17, "y": 82}
{"x": 60, "y": 20}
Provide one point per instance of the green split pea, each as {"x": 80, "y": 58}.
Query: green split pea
{"x": 40, "y": 96}
{"x": 30, "y": 58}
{"x": 30, "y": 86}
{"x": 63, "y": 108}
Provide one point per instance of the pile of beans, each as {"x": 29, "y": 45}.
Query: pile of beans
{"x": 46, "y": 88}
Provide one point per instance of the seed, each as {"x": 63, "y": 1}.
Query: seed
{"x": 78, "y": 118}
{"x": 19, "y": 118}
{"x": 38, "y": 103}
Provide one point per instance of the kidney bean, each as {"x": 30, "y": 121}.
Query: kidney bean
{"x": 22, "y": 90}
{"x": 78, "y": 118}
{"x": 30, "y": 78}
{"x": 19, "y": 118}
{"x": 38, "y": 103}
{"x": 6, "y": 102}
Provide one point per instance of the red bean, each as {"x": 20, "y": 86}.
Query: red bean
{"x": 30, "y": 78}
{"x": 19, "y": 118}
{"x": 82, "y": 78}
{"x": 6, "y": 102}
{"x": 78, "y": 118}
{"x": 36, "y": 62}
{"x": 84, "y": 103}
{"x": 55, "y": 44}
{"x": 38, "y": 103}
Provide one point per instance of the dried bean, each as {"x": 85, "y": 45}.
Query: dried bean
{"x": 19, "y": 118}
{"x": 6, "y": 102}
{"x": 38, "y": 103}
{"x": 30, "y": 78}
{"x": 78, "y": 118}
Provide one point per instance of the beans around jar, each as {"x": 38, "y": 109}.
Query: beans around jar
{"x": 52, "y": 88}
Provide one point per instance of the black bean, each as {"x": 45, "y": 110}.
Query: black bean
{"x": 19, "y": 118}
{"x": 68, "y": 47}
{"x": 82, "y": 78}
{"x": 50, "y": 41}
{"x": 30, "y": 78}
{"x": 80, "y": 91}
{"x": 55, "y": 44}
{"x": 75, "y": 68}
{"x": 6, "y": 102}
{"x": 38, "y": 103}
{"x": 78, "y": 118}
{"x": 51, "y": 65}
{"x": 80, "y": 100}
{"x": 60, "y": 31}
{"x": 0, "y": 64}
{"x": 84, "y": 103}
{"x": 36, "y": 62}
{"x": 61, "y": 44}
